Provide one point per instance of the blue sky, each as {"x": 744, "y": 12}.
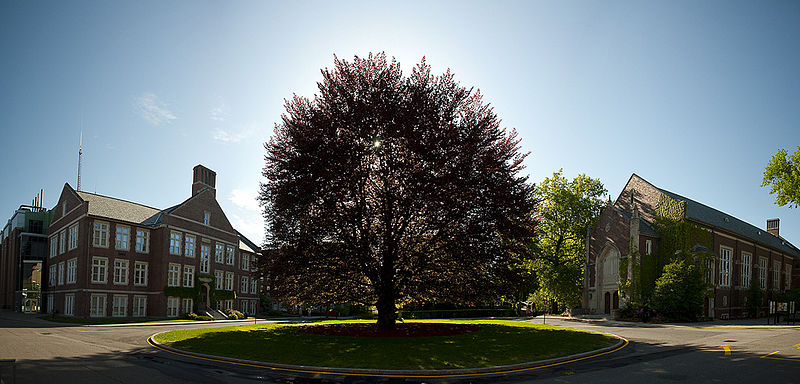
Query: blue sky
{"x": 693, "y": 96}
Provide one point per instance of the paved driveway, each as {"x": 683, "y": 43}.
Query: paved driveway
{"x": 53, "y": 353}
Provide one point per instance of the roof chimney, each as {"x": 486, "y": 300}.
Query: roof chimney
{"x": 773, "y": 226}
{"x": 203, "y": 178}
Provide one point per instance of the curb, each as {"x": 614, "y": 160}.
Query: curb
{"x": 496, "y": 370}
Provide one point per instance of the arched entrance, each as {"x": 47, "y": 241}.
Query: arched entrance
{"x": 607, "y": 272}
{"x": 607, "y": 303}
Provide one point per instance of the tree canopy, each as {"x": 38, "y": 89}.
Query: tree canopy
{"x": 782, "y": 174}
{"x": 385, "y": 189}
{"x": 567, "y": 208}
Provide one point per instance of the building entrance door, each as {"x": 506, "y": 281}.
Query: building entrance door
{"x": 607, "y": 301}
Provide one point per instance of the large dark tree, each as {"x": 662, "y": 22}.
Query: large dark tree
{"x": 386, "y": 188}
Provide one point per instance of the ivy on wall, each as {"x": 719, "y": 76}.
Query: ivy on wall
{"x": 193, "y": 293}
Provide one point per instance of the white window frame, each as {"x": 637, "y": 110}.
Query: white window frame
{"x": 244, "y": 262}
{"x": 747, "y": 260}
{"x": 97, "y": 308}
{"x": 187, "y": 304}
{"x": 189, "y": 245}
{"x": 61, "y": 272}
{"x": 206, "y": 218}
{"x": 244, "y": 284}
{"x": 648, "y": 246}
{"x": 99, "y": 270}
{"x": 219, "y": 276}
{"x": 53, "y": 273}
{"x": 119, "y": 307}
{"x": 174, "y": 275}
{"x": 175, "y": 242}
{"x": 69, "y": 304}
{"x": 253, "y": 263}
{"x": 219, "y": 253}
{"x": 100, "y": 234}
{"x": 122, "y": 237}
{"x": 725, "y": 254}
{"x": 776, "y": 275}
{"x": 142, "y": 240}
{"x": 253, "y": 286}
{"x": 205, "y": 259}
{"x": 121, "y": 269}
{"x": 139, "y": 306}
{"x": 230, "y": 255}
{"x": 62, "y": 242}
{"x": 140, "y": 272}
{"x": 53, "y": 246}
{"x": 73, "y": 236}
{"x": 762, "y": 273}
{"x": 188, "y": 276}
{"x": 173, "y": 306}
{"x": 229, "y": 281}
{"x": 51, "y": 303}
{"x": 72, "y": 270}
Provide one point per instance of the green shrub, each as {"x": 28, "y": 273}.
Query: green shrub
{"x": 234, "y": 314}
{"x": 678, "y": 294}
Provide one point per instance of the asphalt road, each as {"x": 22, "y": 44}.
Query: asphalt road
{"x": 53, "y": 353}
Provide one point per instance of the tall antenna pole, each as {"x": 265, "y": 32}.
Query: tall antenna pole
{"x": 80, "y": 156}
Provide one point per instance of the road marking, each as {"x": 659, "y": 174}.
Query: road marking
{"x": 727, "y": 349}
{"x": 797, "y": 346}
{"x": 769, "y": 354}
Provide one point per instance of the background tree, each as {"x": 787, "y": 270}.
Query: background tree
{"x": 386, "y": 188}
{"x": 783, "y": 175}
{"x": 566, "y": 209}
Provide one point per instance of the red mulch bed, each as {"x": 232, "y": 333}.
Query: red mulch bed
{"x": 401, "y": 329}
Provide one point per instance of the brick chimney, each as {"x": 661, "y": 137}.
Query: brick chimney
{"x": 773, "y": 226}
{"x": 203, "y": 178}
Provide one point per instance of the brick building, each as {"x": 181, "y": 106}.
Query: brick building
{"x": 111, "y": 257}
{"x": 743, "y": 254}
{"x": 23, "y": 256}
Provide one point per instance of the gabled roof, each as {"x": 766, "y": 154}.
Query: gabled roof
{"x": 116, "y": 209}
{"x": 246, "y": 244}
{"x": 644, "y": 227}
{"x": 715, "y": 218}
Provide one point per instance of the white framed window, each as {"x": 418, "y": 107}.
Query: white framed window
{"x": 53, "y": 246}
{"x": 189, "y": 246}
{"x": 188, "y": 305}
{"x": 253, "y": 263}
{"x": 121, "y": 271}
{"x": 228, "y": 304}
{"x": 123, "y": 237}
{"x": 762, "y": 272}
{"x": 61, "y": 272}
{"x": 62, "y": 242}
{"x": 254, "y": 286}
{"x": 725, "y": 266}
{"x": 174, "y": 275}
{"x": 219, "y": 277}
{"x": 204, "y": 259}
{"x": 69, "y": 304}
{"x": 245, "y": 284}
{"x": 219, "y": 255}
{"x": 787, "y": 280}
{"x": 120, "y": 306}
{"x": 139, "y": 306}
{"x": 746, "y": 263}
{"x": 142, "y": 240}
{"x": 776, "y": 275}
{"x": 99, "y": 269}
{"x": 207, "y": 218}
{"x": 50, "y": 303}
{"x": 72, "y": 271}
{"x": 97, "y": 305}
{"x": 245, "y": 263}
{"x": 140, "y": 273}
{"x": 172, "y": 306}
{"x": 188, "y": 276}
{"x": 73, "y": 236}
{"x": 648, "y": 247}
{"x": 175, "y": 242}
{"x": 228, "y": 281}
{"x": 52, "y": 280}
{"x": 243, "y": 304}
{"x": 100, "y": 234}
{"x": 229, "y": 255}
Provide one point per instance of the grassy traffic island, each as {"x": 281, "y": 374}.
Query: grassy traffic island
{"x": 414, "y": 345}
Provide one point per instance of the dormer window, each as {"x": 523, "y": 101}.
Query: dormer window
{"x": 206, "y": 217}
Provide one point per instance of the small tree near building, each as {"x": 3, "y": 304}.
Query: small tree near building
{"x": 679, "y": 291}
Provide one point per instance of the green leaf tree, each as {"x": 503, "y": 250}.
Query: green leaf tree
{"x": 679, "y": 291}
{"x": 566, "y": 209}
{"x": 782, "y": 174}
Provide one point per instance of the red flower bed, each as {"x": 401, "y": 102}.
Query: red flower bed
{"x": 401, "y": 330}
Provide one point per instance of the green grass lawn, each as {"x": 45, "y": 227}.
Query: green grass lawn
{"x": 497, "y": 343}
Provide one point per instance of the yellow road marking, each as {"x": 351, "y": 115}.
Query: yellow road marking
{"x": 727, "y": 349}
{"x": 267, "y": 366}
{"x": 769, "y": 354}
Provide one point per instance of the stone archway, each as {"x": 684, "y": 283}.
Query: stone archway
{"x": 607, "y": 272}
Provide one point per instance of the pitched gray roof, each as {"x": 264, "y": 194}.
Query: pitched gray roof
{"x": 117, "y": 209}
{"x": 705, "y": 214}
{"x": 645, "y": 228}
